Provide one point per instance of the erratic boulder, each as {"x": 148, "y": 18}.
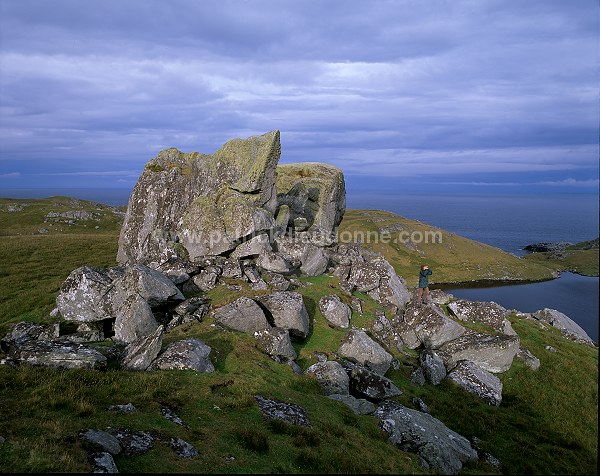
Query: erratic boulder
{"x": 287, "y": 311}
{"x": 477, "y": 381}
{"x": 194, "y": 205}
{"x": 441, "y": 449}
{"x": 335, "y": 311}
{"x": 493, "y": 353}
{"x": 186, "y": 354}
{"x": 242, "y": 315}
{"x": 359, "y": 347}
{"x": 332, "y": 377}
{"x": 564, "y": 323}
{"x": 489, "y": 313}
{"x": 427, "y": 325}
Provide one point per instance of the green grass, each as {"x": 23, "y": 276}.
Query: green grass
{"x": 546, "y": 424}
{"x": 452, "y": 258}
{"x": 579, "y": 261}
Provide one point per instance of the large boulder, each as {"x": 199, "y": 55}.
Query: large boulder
{"x": 441, "y": 449}
{"x": 360, "y": 348}
{"x": 377, "y": 277}
{"x": 493, "y": 353}
{"x": 287, "y": 310}
{"x": 193, "y": 205}
{"x": 276, "y": 343}
{"x": 335, "y": 311}
{"x": 564, "y": 323}
{"x": 332, "y": 377}
{"x": 370, "y": 385}
{"x": 481, "y": 383}
{"x": 313, "y": 191}
{"x": 139, "y": 354}
{"x": 59, "y": 355}
{"x": 489, "y": 313}
{"x": 83, "y": 295}
{"x": 242, "y": 315}
{"x": 186, "y": 354}
{"x": 427, "y": 325}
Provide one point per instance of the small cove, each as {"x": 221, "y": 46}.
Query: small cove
{"x": 572, "y": 294}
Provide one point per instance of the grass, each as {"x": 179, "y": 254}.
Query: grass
{"x": 575, "y": 260}
{"x": 452, "y": 258}
{"x": 546, "y": 424}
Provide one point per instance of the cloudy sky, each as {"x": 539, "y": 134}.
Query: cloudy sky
{"x": 470, "y": 95}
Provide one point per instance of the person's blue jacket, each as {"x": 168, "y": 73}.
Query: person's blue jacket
{"x": 424, "y": 278}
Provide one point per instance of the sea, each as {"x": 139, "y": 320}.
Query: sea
{"x": 508, "y": 222}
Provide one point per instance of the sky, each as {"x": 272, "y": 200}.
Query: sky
{"x": 402, "y": 95}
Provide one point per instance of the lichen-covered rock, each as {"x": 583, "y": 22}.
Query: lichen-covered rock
{"x": 360, "y": 406}
{"x": 276, "y": 343}
{"x": 335, "y": 311}
{"x": 377, "y": 277}
{"x": 83, "y": 295}
{"x": 300, "y": 251}
{"x": 359, "y": 347}
{"x": 433, "y": 367}
{"x": 370, "y": 385}
{"x": 61, "y": 355}
{"x": 493, "y": 353}
{"x": 273, "y": 262}
{"x": 134, "y": 443}
{"x": 489, "y": 313}
{"x": 95, "y": 440}
{"x": 243, "y": 315}
{"x": 186, "y": 354}
{"x": 134, "y": 320}
{"x": 440, "y": 448}
{"x": 427, "y": 325}
{"x": 193, "y": 205}
{"x": 103, "y": 462}
{"x": 332, "y": 377}
{"x": 139, "y": 354}
{"x": 528, "y": 358}
{"x": 152, "y": 286}
{"x": 313, "y": 191}
{"x": 288, "y": 311}
{"x": 477, "y": 381}
{"x": 564, "y": 323}
{"x": 284, "y": 411}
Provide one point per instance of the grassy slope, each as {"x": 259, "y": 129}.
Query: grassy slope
{"x": 452, "y": 259}
{"x": 547, "y": 423}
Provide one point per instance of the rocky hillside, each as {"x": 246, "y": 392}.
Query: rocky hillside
{"x": 241, "y": 333}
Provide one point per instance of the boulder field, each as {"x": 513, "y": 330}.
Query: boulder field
{"x": 197, "y": 221}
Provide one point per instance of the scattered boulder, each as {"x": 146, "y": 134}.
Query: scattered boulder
{"x": 57, "y": 354}
{"x": 493, "y": 353}
{"x": 276, "y": 342}
{"x": 360, "y": 406}
{"x": 489, "y": 313}
{"x": 183, "y": 448}
{"x": 186, "y": 354}
{"x": 530, "y": 360}
{"x": 332, "y": 377}
{"x": 286, "y": 412}
{"x": 427, "y": 325}
{"x": 287, "y": 311}
{"x": 242, "y": 315}
{"x": 103, "y": 463}
{"x": 564, "y": 323}
{"x": 359, "y": 347}
{"x": 481, "y": 383}
{"x": 98, "y": 441}
{"x": 133, "y": 443}
{"x": 433, "y": 367}
{"x": 335, "y": 311}
{"x": 441, "y": 449}
{"x": 170, "y": 415}
{"x": 140, "y": 354}
{"x": 123, "y": 408}
{"x": 370, "y": 385}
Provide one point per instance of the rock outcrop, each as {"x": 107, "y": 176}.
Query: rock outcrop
{"x": 564, "y": 323}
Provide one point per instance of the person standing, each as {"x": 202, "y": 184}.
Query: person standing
{"x": 424, "y": 283}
